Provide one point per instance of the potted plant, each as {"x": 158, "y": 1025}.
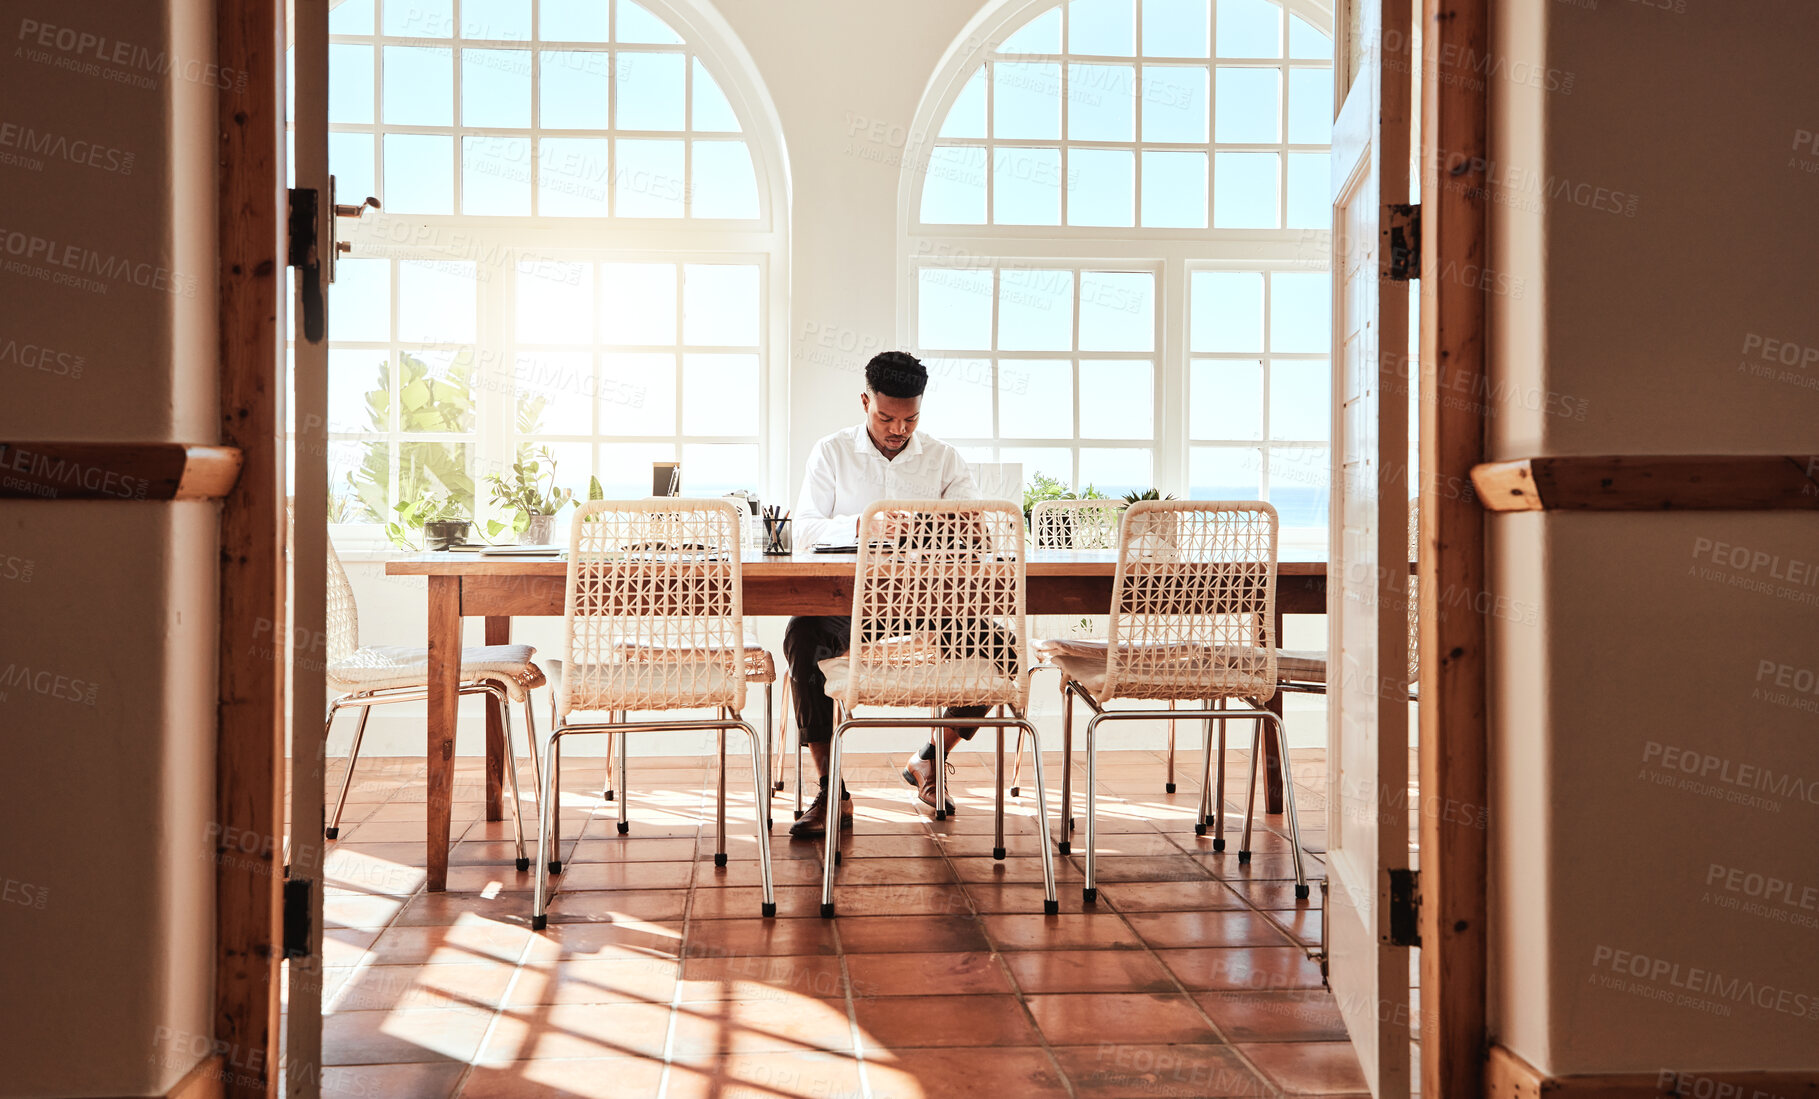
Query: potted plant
{"x": 431, "y": 520}
{"x": 1043, "y": 487}
{"x": 530, "y": 491}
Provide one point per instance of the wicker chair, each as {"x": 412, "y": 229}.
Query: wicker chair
{"x": 378, "y": 675}
{"x": 954, "y": 572}
{"x": 1303, "y": 671}
{"x": 652, "y": 621}
{"x": 1192, "y": 619}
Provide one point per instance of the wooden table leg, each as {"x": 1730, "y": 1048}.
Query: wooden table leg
{"x": 1272, "y": 757}
{"x": 439, "y": 752}
{"x": 498, "y": 632}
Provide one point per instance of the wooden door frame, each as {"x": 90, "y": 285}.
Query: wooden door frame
{"x": 249, "y": 735}
{"x": 1454, "y": 746}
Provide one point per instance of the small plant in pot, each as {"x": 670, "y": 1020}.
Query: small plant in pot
{"x": 530, "y": 492}
{"x": 434, "y": 520}
{"x": 1043, "y": 487}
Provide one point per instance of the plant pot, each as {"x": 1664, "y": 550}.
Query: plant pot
{"x": 440, "y": 534}
{"x": 541, "y": 529}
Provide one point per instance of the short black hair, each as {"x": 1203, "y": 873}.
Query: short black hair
{"x": 896, "y": 374}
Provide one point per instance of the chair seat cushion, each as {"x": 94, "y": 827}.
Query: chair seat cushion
{"x": 1303, "y": 666}
{"x": 385, "y": 667}
{"x": 759, "y": 665}
{"x": 967, "y": 681}
{"x": 1194, "y": 683}
{"x": 674, "y": 684}
{"x": 1096, "y": 648}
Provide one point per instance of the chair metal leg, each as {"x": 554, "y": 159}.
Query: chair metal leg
{"x": 333, "y": 831}
{"x": 511, "y": 771}
{"x": 770, "y": 748}
{"x": 1250, "y": 794}
{"x": 530, "y": 749}
{"x": 1050, "y": 903}
{"x": 625, "y": 784}
{"x": 720, "y": 800}
{"x": 1064, "y": 845}
{"x": 798, "y": 777}
{"x": 833, "y": 822}
{"x": 540, "y": 895}
{"x": 552, "y": 773}
{"x": 1090, "y": 894}
{"x": 761, "y": 787}
{"x": 1204, "y": 808}
{"x": 1017, "y": 767}
{"x": 1169, "y": 783}
{"x": 774, "y": 745}
{"x": 1218, "y": 809}
{"x": 607, "y": 792}
{"x": 940, "y": 773}
{"x": 998, "y": 781}
{"x": 1288, "y": 804}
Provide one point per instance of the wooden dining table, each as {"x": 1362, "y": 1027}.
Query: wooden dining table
{"x": 498, "y": 589}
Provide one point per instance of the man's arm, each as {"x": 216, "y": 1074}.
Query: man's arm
{"x": 814, "y": 518}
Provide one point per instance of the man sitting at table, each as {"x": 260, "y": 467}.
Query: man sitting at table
{"x": 882, "y": 458}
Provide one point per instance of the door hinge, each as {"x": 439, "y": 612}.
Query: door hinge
{"x": 303, "y": 254}
{"x": 1402, "y": 908}
{"x": 297, "y": 926}
{"x": 1402, "y": 241}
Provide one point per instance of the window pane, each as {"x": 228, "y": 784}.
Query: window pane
{"x": 420, "y": 19}
{"x": 1300, "y": 400}
{"x": 712, "y": 111}
{"x": 352, "y": 373}
{"x": 1244, "y": 191}
{"x": 1227, "y": 311}
{"x": 709, "y": 470}
{"x": 953, "y": 192}
{"x": 1310, "y": 106}
{"x": 637, "y": 393}
{"x": 360, "y": 300}
{"x": 496, "y": 175}
{"x": 1117, "y": 400}
{"x": 1101, "y": 187}
{"x": 1249, "y": 28}
{"x": 419, "y": 86}
{"x": 649, "y": 90}
{"x": 572, "y": 177}
{"x": 1040, "y": 35}
{"x": 1301, "y": 311}
{"x": 509, "y": 19}
{"x": 1117, "y": 311}
{"x": 433, "y": 466}
{"x": 1224, "y": 473}
{"x": 1026, "y": 186}
{"x": 1035, "y": 399}
{"x": 436, "y": 301}
{"x": 555, "y": 390}
{"x": 419, "y": 174}
{"x": 1305, "y": 41}
{"x": 966, "y": 118}
{"x": 555, "y": 302}
{"x": 435, "y": 391}
{"x": 638, "y": 303}
{"x": 1057, "y": 462}
{"x": 350, "y": 87}
{"x": 352, "y": 17}
{"x": 625, "y": 468}
{"x": 1026, "y": 100}
{"x": 1310, "y": 204}
{"x": 1175, "y": 28}
{"x": 1035, "y": 310}
{"x": 636, "y": 24}
{"x": 720, "y": 395}
{"x": 648, "y": 180}
{"x": 1225, "y": 400}
{"x": 725, "y": 186}
{"x": 958, "y": 404}
{"x": 1116, "y": 472}
{"x": 1174, "y": 103}
{"x": 1101, "y": 102}
{"x": 1174, "y": 190}
{"x": 1248, "y": 106}
{"x": 720, "y": 305}
{"x": 1299, "y": 485}
{"x": 496, "y": 88}
{"x": 1102, "y": 27}
{"x": 954, "y": 309}
{"x": 574, "y": 95}
{"x": 573, "y": 21}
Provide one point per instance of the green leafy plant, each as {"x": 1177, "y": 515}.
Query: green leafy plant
{"x": 529, "y": 489}
{"x": 1043, "y": 487}
{"x": 1147, "y": 494}
{"x": 426, "y": 403}
{"x": 433, "y": 505}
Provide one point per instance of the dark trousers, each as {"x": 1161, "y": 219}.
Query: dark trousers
{"x": 810, "y": 639}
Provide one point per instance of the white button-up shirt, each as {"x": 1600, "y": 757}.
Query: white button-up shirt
{"x": 847, "y": 474}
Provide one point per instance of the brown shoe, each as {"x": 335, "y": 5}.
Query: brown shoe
{"x": 814, "y": 819}
{"x": 920, "y": 773}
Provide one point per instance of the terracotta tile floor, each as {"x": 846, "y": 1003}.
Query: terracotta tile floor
{"x": 940, "y": 976}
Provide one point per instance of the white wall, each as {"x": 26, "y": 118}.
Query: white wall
{"x": 1622, "y": 941}
{"x": 107, "y": 609}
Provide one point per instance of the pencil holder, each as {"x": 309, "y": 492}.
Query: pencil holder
{"x": 778, "y": 539}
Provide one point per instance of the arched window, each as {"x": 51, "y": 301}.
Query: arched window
{"x": 581, "y": 249}
{"x": 1116, "y": 220}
